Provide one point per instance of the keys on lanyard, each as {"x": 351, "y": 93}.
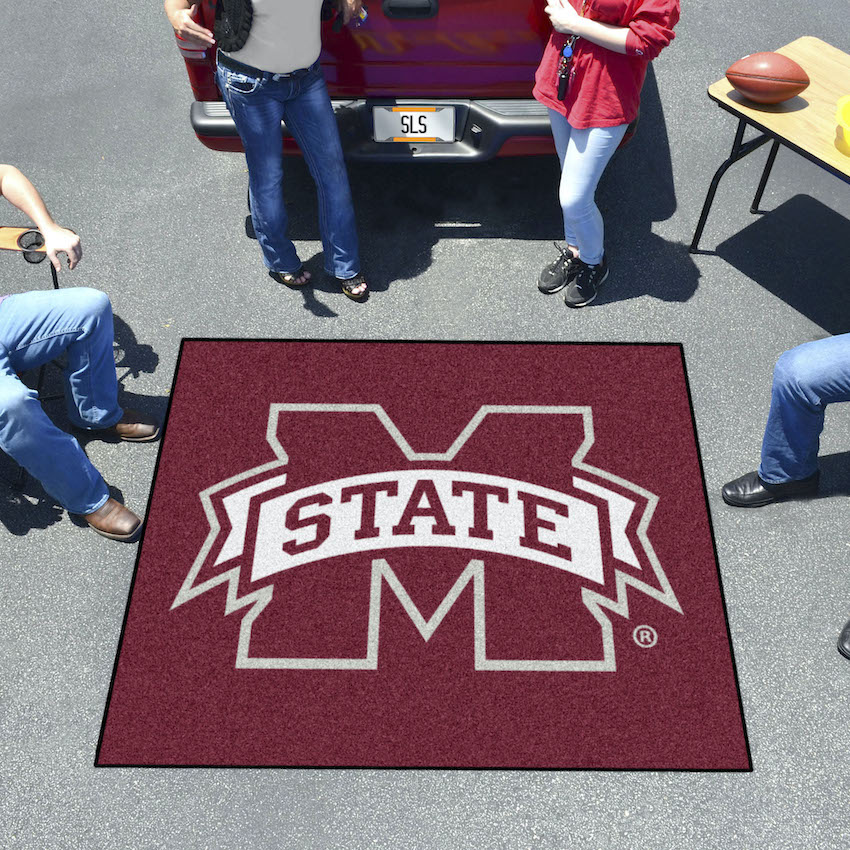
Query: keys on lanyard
{"x": 567, "y": 58}
{"x": 564, "y": 66}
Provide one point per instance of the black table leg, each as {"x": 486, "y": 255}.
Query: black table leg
{"x": 764, "y": 176}
{"x": 740, "y": 149}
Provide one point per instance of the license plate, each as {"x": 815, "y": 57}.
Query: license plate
{"x": 414, "y": 123}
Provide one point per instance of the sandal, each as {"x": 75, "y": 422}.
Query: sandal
{"x": 290, "y": 279}
{"x": 350, "y": 284}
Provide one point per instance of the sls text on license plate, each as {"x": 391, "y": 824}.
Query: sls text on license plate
{"x": 414, "y": 123}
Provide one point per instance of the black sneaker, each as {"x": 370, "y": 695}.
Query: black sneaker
{"x": 558, "y": 274}
{"x": 586, "y": 284}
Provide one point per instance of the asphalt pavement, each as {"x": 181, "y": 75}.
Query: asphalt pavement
{"x": 94, "y": 109}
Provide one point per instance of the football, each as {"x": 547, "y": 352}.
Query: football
{"x": 767, "y": 77}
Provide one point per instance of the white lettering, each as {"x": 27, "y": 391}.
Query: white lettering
{"x": 427, "y": 507}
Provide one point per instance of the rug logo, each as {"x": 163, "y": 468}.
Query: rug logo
{"x": 272, "y": 529}
{"x": 426, "y": 507}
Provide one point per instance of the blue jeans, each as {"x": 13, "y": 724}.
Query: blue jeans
{"x": 258, "y": 102}
{"x": 36, "y": 327}
{"x": 806, "y": 379}
{"x": 584, "y": 155}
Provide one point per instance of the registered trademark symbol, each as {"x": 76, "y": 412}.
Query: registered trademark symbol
{"x": 645, "y": 636}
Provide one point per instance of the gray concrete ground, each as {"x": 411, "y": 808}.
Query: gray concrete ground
{"x": 94, "y": 109}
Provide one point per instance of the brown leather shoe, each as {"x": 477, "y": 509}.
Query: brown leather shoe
{"x": 114, "y": 521}
{"x": 135, "y": 427}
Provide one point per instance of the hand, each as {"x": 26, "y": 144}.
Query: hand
{"x": 60, "y": 240}
{"x": 349, "y": 9}
{"x": 192, "y": 33}
{"x": 564, "y": 18}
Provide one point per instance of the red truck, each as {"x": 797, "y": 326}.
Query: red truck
{"x": 440, "y": 80}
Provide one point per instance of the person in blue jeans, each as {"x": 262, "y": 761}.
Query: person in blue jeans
{"x": 806, "y": 379}
{"x": 268, "y": 71}
{"x": 590, "y": 79}
{"x": 36, "y": 327}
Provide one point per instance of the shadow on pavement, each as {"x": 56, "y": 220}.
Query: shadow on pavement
{"x": 835, "y": 474}
{"x": 23, "y": 510}
{"x": 403, "y": 210}
{"x": 636, "y": 191}
{"x": 799, "y": 252}
{"x": 319, "y": 280}
{"x": 130, "y": 354}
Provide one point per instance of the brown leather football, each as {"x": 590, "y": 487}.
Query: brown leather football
{"x": 767, "y": 77}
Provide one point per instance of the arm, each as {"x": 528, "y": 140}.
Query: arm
{"x": 647, "y": 34}
{"x": 180, "y": 16}
{"x": 19, "y": 192}
{"x": 567, "y": 20}
{"x": 605, "y": 35}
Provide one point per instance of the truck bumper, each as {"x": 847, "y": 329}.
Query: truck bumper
{"x": 483, "y": 129}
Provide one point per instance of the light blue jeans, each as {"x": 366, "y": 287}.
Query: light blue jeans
{"x": 36, "y": 327}
{"x": 584, "y": 155}
{"x": 806, "y": 379}
{"x": 258, "y": 102}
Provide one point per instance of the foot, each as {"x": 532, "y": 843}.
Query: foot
{"x": 844, "y": 640}
{"x": 294, "y": 280}
{"x": 749, "y": 491}
{"x": 114, "y": 521}
{"x": 135, "y": 427}
{"x": 558, "y": 274}
{"x": 355, "y": 288}
{"x": 586, "y": 284}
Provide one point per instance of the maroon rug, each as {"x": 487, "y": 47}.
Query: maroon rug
{"x": 427, "y": 555}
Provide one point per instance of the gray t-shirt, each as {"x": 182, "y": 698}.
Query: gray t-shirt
{"x": 285, "y": 36}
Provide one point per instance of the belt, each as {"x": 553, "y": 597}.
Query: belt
{"x": 241, "y": 68}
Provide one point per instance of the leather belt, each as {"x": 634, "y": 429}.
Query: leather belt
{"x": 241, "y": 68}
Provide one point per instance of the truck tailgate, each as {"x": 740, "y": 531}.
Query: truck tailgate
{"x": 467, "y": 48}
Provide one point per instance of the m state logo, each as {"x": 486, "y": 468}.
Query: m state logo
{"x": 260, "y": 528}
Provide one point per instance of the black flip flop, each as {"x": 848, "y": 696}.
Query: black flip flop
{"x": 349, "y": 284}
{"x": 289, "y": 278}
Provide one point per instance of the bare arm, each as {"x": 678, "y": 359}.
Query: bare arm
{"x": 605, "y": 35}
{"x": 567, "y": 20}
{"x": 19, "y": 192}
{"x": 180, "y": 15}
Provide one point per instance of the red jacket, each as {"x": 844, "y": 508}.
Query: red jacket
{"x": 604, "y": 87}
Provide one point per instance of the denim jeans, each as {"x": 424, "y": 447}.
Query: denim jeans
{"x": 584, "y": 155}
{"x": 806, "y": 379}
{"x": 36, "y": 327}
{"x": 258, "y": 102}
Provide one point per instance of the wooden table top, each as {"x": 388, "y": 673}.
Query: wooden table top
{"x": 9, "y": 239}
{"x": 807, "y": 121}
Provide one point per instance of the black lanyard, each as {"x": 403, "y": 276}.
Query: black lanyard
{"x": 566, "y": 60}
